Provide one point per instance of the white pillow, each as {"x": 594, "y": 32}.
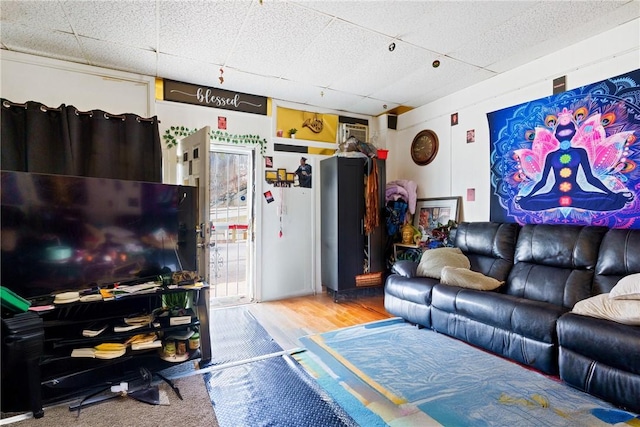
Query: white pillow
{"x": 470, "y": 279}
{"x": 627, "y": 288}
{"x": 603, "y": 307}
{"x": 433, "y": 260}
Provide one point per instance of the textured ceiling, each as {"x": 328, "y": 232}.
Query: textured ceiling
{"x": 329, "y": 54}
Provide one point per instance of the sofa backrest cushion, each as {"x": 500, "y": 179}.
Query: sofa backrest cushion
{"x": 555, "y": 263}
{"x": 490, "y": 246}
{"x": 619, "y": 256}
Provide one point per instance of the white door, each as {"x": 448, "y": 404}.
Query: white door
{"x": 224, "y": 176}
{"x": 195, "y": 171}
{"x": 231, "y": 223}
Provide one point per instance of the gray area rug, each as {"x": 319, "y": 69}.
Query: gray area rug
{"x": 194, "y": 410}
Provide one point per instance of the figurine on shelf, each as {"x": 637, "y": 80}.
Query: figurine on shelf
{"x": 410, "y": 234}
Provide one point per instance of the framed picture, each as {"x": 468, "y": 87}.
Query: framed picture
{"x": 291, "y": 176}
{"x": 282, "y": 174}
{"x": 471, "y": 136}
{"x": 270, "y": 175}
{"x": 431, "y": 213}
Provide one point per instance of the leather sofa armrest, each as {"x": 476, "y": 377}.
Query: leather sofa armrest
{"x": 405, "y": 268}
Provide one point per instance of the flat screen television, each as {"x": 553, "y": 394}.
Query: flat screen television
{"x": 64, "y": 233}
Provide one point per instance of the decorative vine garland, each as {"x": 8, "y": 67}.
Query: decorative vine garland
{"x": 174, "y": 133}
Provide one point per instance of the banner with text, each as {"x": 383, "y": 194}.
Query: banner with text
{"x": 215, "y": 98}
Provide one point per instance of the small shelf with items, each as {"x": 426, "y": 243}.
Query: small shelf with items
{"x": 91, "y": 344}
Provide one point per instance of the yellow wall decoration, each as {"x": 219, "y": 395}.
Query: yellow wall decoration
{"x": 288, "y": 118}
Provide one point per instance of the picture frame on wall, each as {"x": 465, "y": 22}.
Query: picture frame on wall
{"x": 435, "y": 212}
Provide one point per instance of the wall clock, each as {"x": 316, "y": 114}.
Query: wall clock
{"x": 424, "y": 147}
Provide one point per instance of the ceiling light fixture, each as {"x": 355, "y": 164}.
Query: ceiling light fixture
{"x": 435, "y": 64}
{"x": 392, "y": 47}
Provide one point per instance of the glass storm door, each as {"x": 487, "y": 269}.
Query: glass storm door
{"x": 230, "y": 222}
{"x": 226, "y": 215}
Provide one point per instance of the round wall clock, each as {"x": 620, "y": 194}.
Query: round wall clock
{"x": 424, "y": 147}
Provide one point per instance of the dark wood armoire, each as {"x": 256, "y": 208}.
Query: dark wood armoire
{"x": 346, "y": 250}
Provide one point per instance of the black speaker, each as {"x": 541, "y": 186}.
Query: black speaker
{"x": 392, "y": 122}
{"x": 22, "y": 347}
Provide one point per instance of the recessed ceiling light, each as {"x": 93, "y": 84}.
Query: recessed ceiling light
{"x": 436, "y": 64}
{"x": 392, "y": 47}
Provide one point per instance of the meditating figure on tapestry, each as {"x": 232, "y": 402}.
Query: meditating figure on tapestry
{"x": 567, "y": 179}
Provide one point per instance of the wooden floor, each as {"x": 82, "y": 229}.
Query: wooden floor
{"x": 289, "y": 319}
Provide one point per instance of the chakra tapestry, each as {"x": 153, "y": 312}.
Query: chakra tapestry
{"x": 569, "y": 158}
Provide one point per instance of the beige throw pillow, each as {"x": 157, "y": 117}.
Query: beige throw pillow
{"x": 434, "y": 260}
{"x": 470, "y": 279}
{"x": 603, "y": 307}
{"x": 627, "y": 288}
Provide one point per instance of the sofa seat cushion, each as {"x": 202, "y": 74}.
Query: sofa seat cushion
{"x": 416, "y": 289}
{"x": 590, "y": 336}
{"x": 601, "y": 357}
{"x": 532, "y": 319}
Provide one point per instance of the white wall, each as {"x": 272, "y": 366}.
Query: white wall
{"x": 48, "y": 81}
{"x": 458, "y": 165}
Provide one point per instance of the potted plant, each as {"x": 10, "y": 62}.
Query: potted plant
{"x": 292, "y": 133}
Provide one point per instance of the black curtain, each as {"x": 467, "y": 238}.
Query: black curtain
{"x": 63, "y": 140}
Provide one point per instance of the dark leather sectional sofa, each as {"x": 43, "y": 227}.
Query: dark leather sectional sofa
{"x": 547, "y": 269}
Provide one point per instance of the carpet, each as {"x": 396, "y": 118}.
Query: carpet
{"x": 253, "y": 382}
{"x": 411, "y": 376}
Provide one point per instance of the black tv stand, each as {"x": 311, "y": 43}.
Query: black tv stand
{"x": 37, "y": 367}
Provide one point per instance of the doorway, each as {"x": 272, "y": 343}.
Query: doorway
{"x": 224, "y": 176}
{"x": 230, "y": 220}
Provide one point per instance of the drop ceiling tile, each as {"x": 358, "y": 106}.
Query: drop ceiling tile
{"x": 383, "y": 69}
{"x": 292, "y": 91}
{"x": 424, "y": 80}
{"x": 131, "y": 23}
{"x": 390, "y": 17}
{"x": 274, "y": 35}
{"x": 202, "y": 30}
{"x": 36, "y": 14}
{"x": 41, "y": 42}
{"x": 240, "y": 81}
{"x": 119, "y": 57}
{"x": 339, "y": 50}
{"x": 586, "y": 23}
{"x": 437, "y": 92}
{"x": 327, "y": 98}
{"x": 371, "y": 107}
{"x": 187, "y": 70}
{"x": 546, "y": 23}
{"x": 449, "y": 25}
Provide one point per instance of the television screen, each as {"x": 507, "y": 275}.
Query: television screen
{"x": 70, "y": 233}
